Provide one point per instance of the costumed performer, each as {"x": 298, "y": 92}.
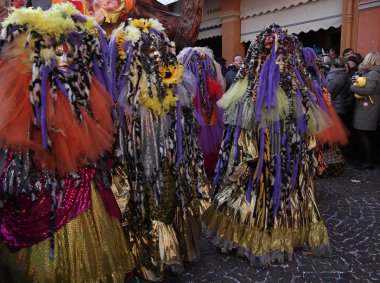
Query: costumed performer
{"x": 158, "y": 167}
{"x": 330, "y": 159}
{"x": 210, "y": 88}
{"x": 264, "y": 205}
{"x": 59, "y": 218}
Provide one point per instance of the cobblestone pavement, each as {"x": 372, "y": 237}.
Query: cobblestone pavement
{"x": 350, "y": 207}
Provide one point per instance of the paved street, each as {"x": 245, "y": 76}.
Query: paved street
{"x": 350, "y": 205}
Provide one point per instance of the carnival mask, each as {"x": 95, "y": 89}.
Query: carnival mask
{"x": 65, "y": 56}
{"x": 268, "y": 41}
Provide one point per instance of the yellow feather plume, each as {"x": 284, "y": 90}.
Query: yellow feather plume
{"x": 151, "y": 103}
{"x": 169, "y": 101}
{"x": 234, "y": 94}
{"x": 53, "y": 22}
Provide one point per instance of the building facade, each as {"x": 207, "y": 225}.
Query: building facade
{"x": 348, "y": 23}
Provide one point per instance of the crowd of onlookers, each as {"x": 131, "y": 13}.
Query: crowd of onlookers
{"x": 354, "y": 85}
{"x": 357, "y": 104}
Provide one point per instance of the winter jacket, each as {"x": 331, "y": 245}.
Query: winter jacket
{"x": 338, "y": 84}
{"x": 230, "y": 76}
{"x": 367, "y": 110}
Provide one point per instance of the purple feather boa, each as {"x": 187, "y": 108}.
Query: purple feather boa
{"x": 268, "y": 83}
{"x": 43, "y": 108}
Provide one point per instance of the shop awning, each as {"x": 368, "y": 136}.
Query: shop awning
{"x": 211, "y": 25}
{"x": 211, "y": 32}
{"x": 304, "y": 17}
{"x": 251, "y": 8}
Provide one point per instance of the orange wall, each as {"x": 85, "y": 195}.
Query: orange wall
{"x": 231, "y": 45}
{"x": 230, "y": 5}
{"x": 349, "y": 30}
{"x": 231, "y": 29}
{"x": 368, "y": 31}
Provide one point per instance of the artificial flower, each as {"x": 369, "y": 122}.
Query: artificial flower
{"x": 142, "y": 24}
{"x": 171, "y": 74}
{"x": 133, "y": 33}
{"x": 156, "y": 25}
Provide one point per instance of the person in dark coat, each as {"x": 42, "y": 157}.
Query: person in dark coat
{"x": 338, "y": 84}
{"x": 352, "y": 64}
{"x": 367, "y": 108}
{"x": 230, "y": 76}
{"x": 325, "y": 64}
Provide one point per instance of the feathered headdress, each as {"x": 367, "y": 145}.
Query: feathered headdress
{"x": 32, "y": 35}
{"x": 146, "y": 61}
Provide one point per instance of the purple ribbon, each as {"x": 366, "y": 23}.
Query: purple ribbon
{"x": 218, "y": 164}
{"x": 113, "y": 55}
{"x": 248, "y": 193}
{"x": 44, "y": 78}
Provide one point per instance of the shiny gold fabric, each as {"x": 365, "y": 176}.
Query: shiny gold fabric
{"x": 234, "y": 219}
{"x": 247, "y": 225}
{"x": 121, "y": 189}
{"x": 171, "y": 233}
{"x": 90, "y": 248}
{"x": 157, "y": 253}
{"x": 248, "y": 147}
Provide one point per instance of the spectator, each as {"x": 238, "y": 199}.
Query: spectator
{"x": 235, "y": 66}
{"x": 348, "y": 52}
{"x": 334, "y": 52}
{"x": 352, "y": 65}
{"x": 326, "y": 64}
{"x": 359, "y": 57}
{"x": 338, "y": 84}
{"x": 367, "y": 109}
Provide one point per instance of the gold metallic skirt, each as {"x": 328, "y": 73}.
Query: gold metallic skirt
{"x": 239, "y": 226}
{"x": 169, "y": 235}
{"x": 90, "y": 248}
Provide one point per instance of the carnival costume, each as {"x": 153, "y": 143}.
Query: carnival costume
{"x": 264, "y": 205}
{"x": 330, "y": 159}
{"x": 159, "y": 176}
{"x": 210, "y": 88}
{"x": 59, "y": 219}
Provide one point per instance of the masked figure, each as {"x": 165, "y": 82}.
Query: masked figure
{"x": 159, "y": 178}
{"x": 59, "y": 219}
{"x": 264, "y": 207}
{"x": 210, "y": 88}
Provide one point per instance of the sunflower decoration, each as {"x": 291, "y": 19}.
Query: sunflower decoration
{"x": 171, "y": 74}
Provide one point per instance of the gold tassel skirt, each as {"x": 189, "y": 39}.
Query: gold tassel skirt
{"x": 239, "y": 226}
{"x": 90, "y": 248}
{"x": 172, "y": 234}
